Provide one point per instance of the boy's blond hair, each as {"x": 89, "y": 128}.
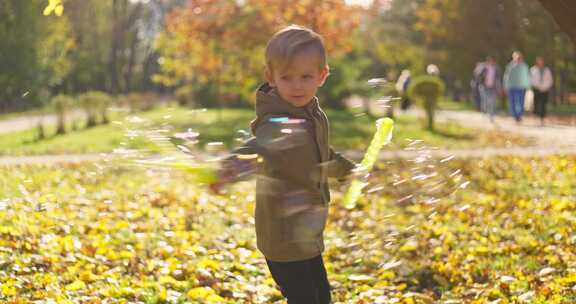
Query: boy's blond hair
{"x": 288, "y": 42}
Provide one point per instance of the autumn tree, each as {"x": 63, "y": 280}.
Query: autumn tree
{"x": 113, "y": 42}
{"x": 391, "y": 42}
{"x": 109, "y": 43}
{"x": 456, "y": 37}
{"x": 35, "y": 52}
{"x": 216, "y": 47}
{"x": 459, "y": 33}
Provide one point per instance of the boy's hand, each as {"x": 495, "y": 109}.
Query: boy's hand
{"x": 230, "y": 170}
{"x": 358, "y": 173}
{"x": 224, "y": 176}
{"x": 216, "y": 188}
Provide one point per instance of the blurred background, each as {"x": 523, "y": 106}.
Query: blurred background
{"x": 209, "y": 53}
{"x": 111, "y": 111}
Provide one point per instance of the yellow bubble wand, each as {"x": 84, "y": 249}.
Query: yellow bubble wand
{"x": 383, "y": 135}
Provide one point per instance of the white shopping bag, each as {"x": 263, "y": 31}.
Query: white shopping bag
{"x": 529, "y": 101}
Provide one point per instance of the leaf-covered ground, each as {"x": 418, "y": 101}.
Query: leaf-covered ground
{"x": 498, "y": 230}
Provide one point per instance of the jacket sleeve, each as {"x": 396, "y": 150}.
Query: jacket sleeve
{"x": 289, "y": 152}
{"x": 338, "y": 166}
{"x": 526, "y": 76}
{"x": 239, "y": 164}
{"x": 534, "y": 77}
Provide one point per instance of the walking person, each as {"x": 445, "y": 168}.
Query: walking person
{"x": 489, "y": 77}
{"x": 475, "y": 86}
{"x": 542, "y": 81}
{"x": 516, "y": 82}
{"x": 402, "y": 87}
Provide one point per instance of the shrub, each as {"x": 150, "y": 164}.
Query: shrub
{"x": 139, "y": 101}
{"x": 95, "y": 103}
{"x": 427, "y": 89}
{"x": 185, "y": 95}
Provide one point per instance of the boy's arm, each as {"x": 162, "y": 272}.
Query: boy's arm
{"x": 288, "y": 153}
{"x": 338, "y": 166}
{"x": 242, "y": 162}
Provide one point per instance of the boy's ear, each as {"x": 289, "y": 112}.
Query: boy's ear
{"x": 269, "y": 77}
{"x": 324, "y": 72}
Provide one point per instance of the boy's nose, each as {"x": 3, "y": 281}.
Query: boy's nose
{"x": 298, "y": 84}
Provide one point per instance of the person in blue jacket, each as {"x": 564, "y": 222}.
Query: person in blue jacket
{"x": 516, "y": 82}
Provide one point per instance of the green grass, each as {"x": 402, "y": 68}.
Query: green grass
{"x": 562, "y": 109}
{"x": 348, "y": 132}
{"x": 98, "y": 139}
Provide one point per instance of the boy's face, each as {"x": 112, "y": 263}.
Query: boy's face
{"x": 300, "y": 80}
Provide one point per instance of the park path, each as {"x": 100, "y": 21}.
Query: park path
{"x": 548, "y": 136}
{"x": 550, "y": 139}
{"x": 31, "y": 121}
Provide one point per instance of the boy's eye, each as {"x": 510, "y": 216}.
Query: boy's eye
{"x": 307, "y": 76}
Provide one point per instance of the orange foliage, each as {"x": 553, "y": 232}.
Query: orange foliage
{"x": 222, "y": 41}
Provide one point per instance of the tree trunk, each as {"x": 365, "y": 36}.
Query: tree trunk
{"x": 429, "y": 104}
{"x": 113, "y": 65}
{"x": 61, "y": 129}
{"x": 150, "y": 67}
{"x": 131, "y": 63}
{"x": 132, "y": 31}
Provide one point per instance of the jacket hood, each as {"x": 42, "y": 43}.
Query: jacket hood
{"x": 269, "y": 103}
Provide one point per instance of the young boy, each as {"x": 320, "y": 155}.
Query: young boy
{"x": 291, "y": 143}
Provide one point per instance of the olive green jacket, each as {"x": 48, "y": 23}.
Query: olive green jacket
{"x": 292, "y": 192}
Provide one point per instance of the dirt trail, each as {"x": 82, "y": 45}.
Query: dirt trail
{"x": 31, "y": 121}
{"x": 547, "y": 136}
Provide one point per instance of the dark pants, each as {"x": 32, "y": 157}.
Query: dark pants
{"x": 405, "y": 104}
{"x": 517, "y": 102}
{"x": 476, "y": 95}
{"x": 302, "y": 282}
{"x": 540, "y": 100}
